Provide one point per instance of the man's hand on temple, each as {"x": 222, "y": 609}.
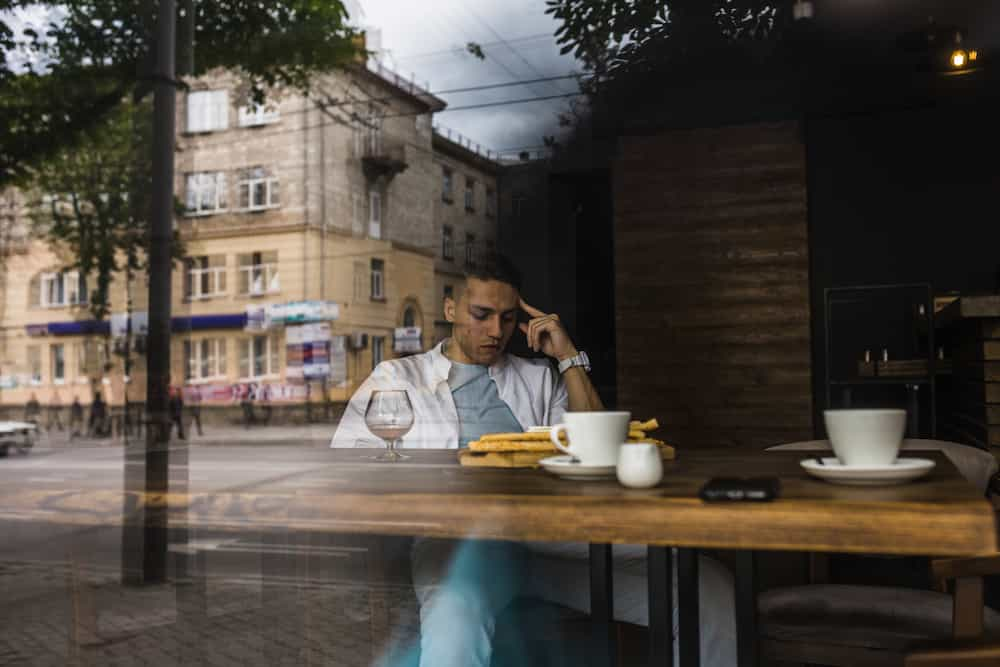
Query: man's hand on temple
{"x": 546, "y": 334}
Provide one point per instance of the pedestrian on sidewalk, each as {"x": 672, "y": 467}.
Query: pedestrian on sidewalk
{"x": 194, "y": 407}
{"x": 176, "y": 406}
{"x": 246, "y": 402}
{"x": 32, "y": 410}
{"x": 55, "y": 412}
{"x": 98, "y": 417}
{"x": 264, "y": 396}
{"x": 75, "y": 418}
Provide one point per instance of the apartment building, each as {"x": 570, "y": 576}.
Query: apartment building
{"x": 313, "y": 238}
{"x": 465, "y": 215}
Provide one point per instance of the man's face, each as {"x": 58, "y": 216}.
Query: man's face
{"x": 484, "y": 317}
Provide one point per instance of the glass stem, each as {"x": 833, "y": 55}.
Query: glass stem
{"x": 392, "y": 446}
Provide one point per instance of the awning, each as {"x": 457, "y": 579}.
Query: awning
{"x": 177, "y": 325}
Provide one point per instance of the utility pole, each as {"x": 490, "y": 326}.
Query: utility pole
{"x": 155, "y": 516}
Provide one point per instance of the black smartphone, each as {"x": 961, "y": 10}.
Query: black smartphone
{"x": 740, "y": 489}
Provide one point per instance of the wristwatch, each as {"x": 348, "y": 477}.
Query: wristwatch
{"x": 581, "y": 359}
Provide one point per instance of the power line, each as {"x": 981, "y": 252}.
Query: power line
{"x": 515, "y": 40}
{"x": 242, "y": 140}
{"x": 503, "y": 103}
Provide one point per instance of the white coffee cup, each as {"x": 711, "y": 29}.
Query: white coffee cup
{"x": 594, "y": 437}
{"x": 640, "y": 465}
{"x": 865, "y": 437}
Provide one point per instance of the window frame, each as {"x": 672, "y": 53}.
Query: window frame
{"x": 249, "y": 179}
{"x": 377, "y": 279}
{"x": 255, "y": 115}
{"x": 57, "y": 362}
{"x": 194, "y": 278}
{"x": 375, "y": 214}
{"x": 378, "y": 350}
{"x": 268, "y": 271}
{"x": 221, "y": 194}
{"x": 470, "y": 250}
{"x": 215, "y": 120}
{"x": 69, "y": 283}
{"x": 447, "y": 184}
{"x": 272, "y": 358}
{"x": 470, "y": 194}
{"x": 33, "y": 355}
{"x": 195, "y": 358}
{"x": 447, "y": 243}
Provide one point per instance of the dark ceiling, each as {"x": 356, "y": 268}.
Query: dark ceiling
{"x": 886, "y": 19}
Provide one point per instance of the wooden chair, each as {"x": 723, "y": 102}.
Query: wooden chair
{"x": 881, "y": 625}
{"x": 974, "y": 653}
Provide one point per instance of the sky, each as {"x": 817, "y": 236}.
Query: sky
{"x": 427, "y": 39}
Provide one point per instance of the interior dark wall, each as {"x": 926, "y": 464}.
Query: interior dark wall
{"x": 904, "y": 196}
{"x": 557, "y": 227}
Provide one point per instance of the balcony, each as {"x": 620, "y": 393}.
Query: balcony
{"x": 382, "y": 160}
{"x": 259, "y": 279}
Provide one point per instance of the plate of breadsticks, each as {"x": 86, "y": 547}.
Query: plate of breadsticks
{"x": 525, "y": 450}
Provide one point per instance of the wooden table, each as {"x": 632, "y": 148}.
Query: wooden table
{"x": 431, "y": 495}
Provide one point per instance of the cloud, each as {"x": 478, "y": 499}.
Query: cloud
{"x": 427, "y": 39}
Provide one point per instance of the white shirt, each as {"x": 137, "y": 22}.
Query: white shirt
{"x": 532, "y": 389}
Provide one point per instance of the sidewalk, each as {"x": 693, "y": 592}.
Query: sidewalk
{"x": 58, "y": 614}
{"x": 310, "y": 435}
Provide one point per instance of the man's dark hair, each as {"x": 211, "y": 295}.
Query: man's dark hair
{"x": 495, "y": 266}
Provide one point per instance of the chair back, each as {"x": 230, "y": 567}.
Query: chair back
{"x": 976, "y": 465}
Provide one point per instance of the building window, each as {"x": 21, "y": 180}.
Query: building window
{"x": 207, "y": 110}
{"x": 409, "y": 317}
{"x": 470, "y": 194}
{"x": 375, "y": 215}
{"x": 206, "y": 193}
{"x": 447, "y": 242}
{"x": 259, "y": 357}
{"x": 470, "y": 250}
{"x": 34, "y": 353}
{"x": 378, "y": 279}
{"x": 62, "y": 289}
{"x": 58, "y": 360}
{"x": 378, "y": 350}
{"x": 491, "y": 203}
{"x": 258, "y": 273}
{"x": 205, "y": 359}
{"x": 83, "y": 358}
{"x": 446, "y": 185}
{"x": 204, "y": 277}
{"x": 258, "y": 189}
{"x": 258, "y": 114}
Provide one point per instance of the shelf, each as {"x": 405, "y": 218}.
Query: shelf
{"x": 879, "y": 381}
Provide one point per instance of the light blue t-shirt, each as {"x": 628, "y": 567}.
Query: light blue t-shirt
{"x": 480, "y": 409}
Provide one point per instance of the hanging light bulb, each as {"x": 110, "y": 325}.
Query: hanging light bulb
{"x": 802, "y": 9}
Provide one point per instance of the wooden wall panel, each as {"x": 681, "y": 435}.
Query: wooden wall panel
{"x": 712, "y": 291}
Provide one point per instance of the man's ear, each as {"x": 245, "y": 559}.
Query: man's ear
{"x": 449, "y": 309}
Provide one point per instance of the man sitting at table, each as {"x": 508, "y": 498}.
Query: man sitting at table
{"x": 468, "y": 386}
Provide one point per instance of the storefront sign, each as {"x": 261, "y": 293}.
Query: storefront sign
{"x": 308, "y": 350}
{"x": 407, "y": 340}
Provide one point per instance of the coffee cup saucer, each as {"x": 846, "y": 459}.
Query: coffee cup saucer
{"x": 569, "y": 468}
{"x": 898, "y": 472}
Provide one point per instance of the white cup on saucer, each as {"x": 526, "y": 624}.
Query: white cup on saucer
{"x": 594, "y": 437}
{"x": 865, "y": 437}
{"x": 640, "y": 465}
